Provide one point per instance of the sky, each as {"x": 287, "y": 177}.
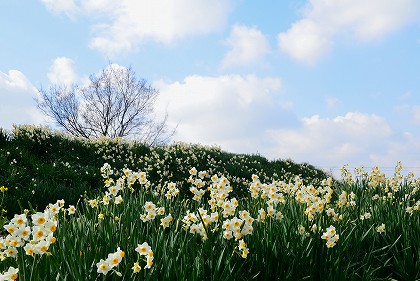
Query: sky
{"x": 325, "y": 82}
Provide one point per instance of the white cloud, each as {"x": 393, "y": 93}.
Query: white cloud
{"x": 232, "y": 111}
{"x": 123, "y": 25}
{"x": 351, "y": 138}
{"x": 305, "y": 41}
{"x": 242, "y": 114}
{"x": 62, "y": 72}
{"x": 15, "y": 80}
{"x": 104, "y": 7}
{"x": 312, "y": 37}
{"x": 248, "y": 46}
{"x": 68, "y": 7}
{"x": 17, "y": 104}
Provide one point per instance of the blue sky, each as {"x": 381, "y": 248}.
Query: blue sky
{"x": 321, "y": 81}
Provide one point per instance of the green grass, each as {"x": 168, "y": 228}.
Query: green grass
{"x": 195, "y": 246}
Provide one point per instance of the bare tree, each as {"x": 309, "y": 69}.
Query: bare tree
{"x": 113, "y": 103}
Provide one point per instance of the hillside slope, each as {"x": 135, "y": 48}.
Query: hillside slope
{"x": 40, "y": 166}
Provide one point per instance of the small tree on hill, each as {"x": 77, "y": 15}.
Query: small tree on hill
{"x": 113, "y": 103}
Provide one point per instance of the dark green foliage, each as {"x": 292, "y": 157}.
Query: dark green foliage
{"x": 4, "y": 137}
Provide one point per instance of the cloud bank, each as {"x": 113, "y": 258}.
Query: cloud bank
{"x": 124, "y": 25}
{"x": 312, "y": 37}
{"x": 242, "y": 114}
{"x": 342, "y": 139}
{"x": 232, "y": 111}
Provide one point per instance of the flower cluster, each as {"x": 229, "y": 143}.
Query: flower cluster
{"x": 34, "y": 236}
{"x": 242, "y": 247}
{"x": 113, "y": 260}
{"x": 331, "y": 236}
{"x": 146, "y": 251}
{"x": 238, "y": 227}
{"x": 106, "y": 171}
{"x": 219, "y": 191}
{"x": 346, "y": 175}
{"x": 34, "y": 133}
{"x": 271, "y": 193}
{"x": 276, "y": 193}
{"x": 198, "y": 186}
{"x": 346, "y": 200}
{"x": 412, "y": 209}
{"x": 366, "y": 216}
{"x": 127, "y": 180}
{"x": 151, "y": 211}
{"x": 376, "y": 178}
{"x": 395, "y": 182}
{"x": 164, "y": 222}
{"x": 233, "y": 226}
{"x": 172, "y": 191}
{"x": 332, "y": 213}
{"x": 315, "y": 199}
{"x": 199, "y": 223}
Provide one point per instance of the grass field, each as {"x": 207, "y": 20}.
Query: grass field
{"x": 115, "y": 210}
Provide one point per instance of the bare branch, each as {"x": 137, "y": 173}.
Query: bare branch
{"x": 114, "y": 104}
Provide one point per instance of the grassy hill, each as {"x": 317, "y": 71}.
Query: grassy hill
{"x": 41, "y": 166}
